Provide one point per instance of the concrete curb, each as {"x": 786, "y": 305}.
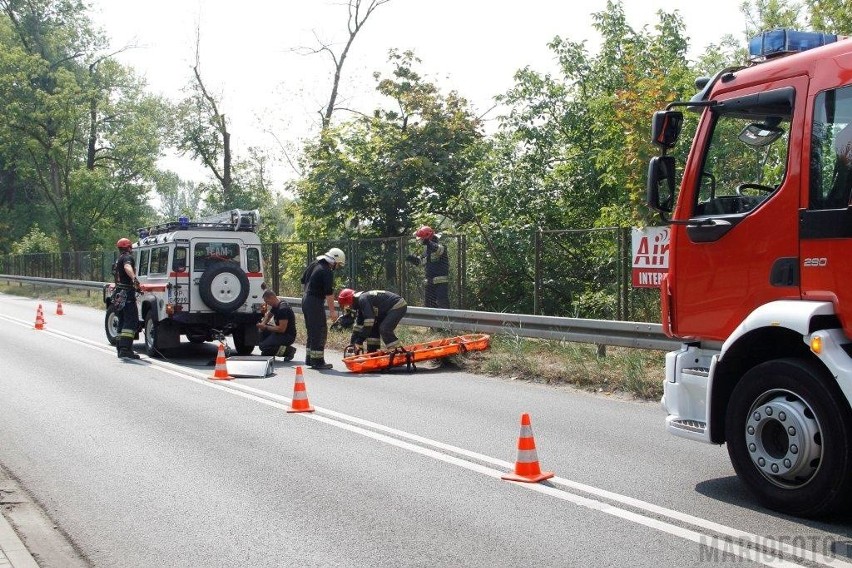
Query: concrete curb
{"x": 13, "y": 553}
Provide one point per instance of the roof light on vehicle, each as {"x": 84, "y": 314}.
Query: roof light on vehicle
{"x": 183, "y": 221}
{"x": 783, "y": 42}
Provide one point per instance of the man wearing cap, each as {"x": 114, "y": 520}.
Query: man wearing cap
{"x": 318, "y": 287}
{"x": 124, "y": 299}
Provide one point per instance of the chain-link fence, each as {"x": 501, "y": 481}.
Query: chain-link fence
{"x": 571, "y": 273}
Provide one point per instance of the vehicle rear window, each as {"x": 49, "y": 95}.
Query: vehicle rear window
{"x": 208, "y": 253}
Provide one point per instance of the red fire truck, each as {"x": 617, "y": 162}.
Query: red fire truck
{"x": 759, "y": 286}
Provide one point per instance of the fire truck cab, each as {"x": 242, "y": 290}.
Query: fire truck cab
{"x": 759, "y": 285}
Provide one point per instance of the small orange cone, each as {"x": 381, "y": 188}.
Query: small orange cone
{"x": 527, "y": 468}
{"x": 39, "y": 323}
{"x": 300, "y": 394}
{"x": 59, "y": 311}
{"x": 221, "y": 372}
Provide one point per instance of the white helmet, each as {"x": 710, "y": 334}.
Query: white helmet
{"x": 334, "y": 256}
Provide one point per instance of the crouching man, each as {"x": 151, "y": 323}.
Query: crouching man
{"x": 277, "y": 328}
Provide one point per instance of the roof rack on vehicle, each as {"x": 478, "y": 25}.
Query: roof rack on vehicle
{"x": 233, "y": 220}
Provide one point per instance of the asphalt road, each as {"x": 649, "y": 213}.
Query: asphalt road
{"x": 150, "y": 463}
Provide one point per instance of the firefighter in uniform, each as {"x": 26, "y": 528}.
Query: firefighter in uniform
{"x": 124, "y": 299}
{"x": 377, "y": 313}
{"x": 437, "y": 268}
{"x": 318, "y": 285}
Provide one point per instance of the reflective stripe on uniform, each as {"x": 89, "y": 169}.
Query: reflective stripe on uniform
{"x": 437, "y": 280}
{"x": 435, "y": 256}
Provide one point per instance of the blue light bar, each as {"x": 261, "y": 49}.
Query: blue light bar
{"x": 782, "y": 42}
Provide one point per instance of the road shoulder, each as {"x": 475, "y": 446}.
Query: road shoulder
{"x": 28, "y": 537}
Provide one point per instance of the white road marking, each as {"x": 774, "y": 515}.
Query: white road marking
{"x": 747, "y": 546}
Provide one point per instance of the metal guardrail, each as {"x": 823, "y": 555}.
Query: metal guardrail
{"x": 84, "y": 284}
{"x": 637, "y": 335}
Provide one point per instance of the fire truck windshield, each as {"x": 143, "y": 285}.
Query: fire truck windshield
{"x": 745, "y": 161}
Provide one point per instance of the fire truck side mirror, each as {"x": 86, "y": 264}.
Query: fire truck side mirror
{"x": 661, "y": 170}
{"x": 665, "y": 128}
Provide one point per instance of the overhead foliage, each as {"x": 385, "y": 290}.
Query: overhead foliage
{"x": 202, "y": 131}
{"x": 77, "y": 129}
{"x": 572, "y": 150}
{"x": 379, "y": 174}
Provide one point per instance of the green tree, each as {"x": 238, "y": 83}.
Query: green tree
{"x": 76, "y": 127}
{"x": 383, "y": 172}
{"x": 176, "y": 196}
{"x": 571, "y": 153}
{"x": 35, "y": 241}
{"x": 202, "y": 130}
{"x": 834, "y": 16}
{"x": 764, "y": 15}
{"x": 831, "y": 16}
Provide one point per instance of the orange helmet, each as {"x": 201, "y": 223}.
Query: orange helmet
{"x": 123, "y": 244}
{"x": 425, "y": 232}
{"x": 345, "y": 297}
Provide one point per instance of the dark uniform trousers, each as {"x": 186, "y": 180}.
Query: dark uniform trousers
{"x": 313, "y": 308}
{"x": 128, "y": 320}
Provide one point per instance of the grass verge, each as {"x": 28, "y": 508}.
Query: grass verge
{"x": 637, "y": 373}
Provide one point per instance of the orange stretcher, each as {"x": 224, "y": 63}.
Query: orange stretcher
{"x": 411, "y": 354}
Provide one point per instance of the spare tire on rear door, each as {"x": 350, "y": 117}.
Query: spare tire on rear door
{"x": 224, "y": 287}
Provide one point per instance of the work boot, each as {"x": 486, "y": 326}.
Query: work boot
{"x": 320, "y": 364}
{"x": 127, "y": 353}
{"x": 286, "y": 352}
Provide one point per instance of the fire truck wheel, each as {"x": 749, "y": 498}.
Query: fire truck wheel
{"x": 111, "y": 325}
{"x": 789, "y": 433}
{"x": 151, "y": 335}
{"x": 224, "y": 287}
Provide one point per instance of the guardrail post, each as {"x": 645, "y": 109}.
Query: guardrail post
{"x": 276, "y": 267}
{"x": 537, "y": 270}
{"x": 626, "y": 263}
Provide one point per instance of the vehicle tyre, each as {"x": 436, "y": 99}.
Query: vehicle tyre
{"x": 150, "y": 327}
{"x": 223, "y": 287}
{"x": 789, "y": 434}
{"x": 111, "y": 325}
{"x": 240, "y": 345}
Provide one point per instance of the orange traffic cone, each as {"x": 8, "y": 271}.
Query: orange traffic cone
{"x": 527, "y": 468}
{"x": 300, "y": 394}
{"x": 59, "y": 311}
{"x": 39, "y": 323}
{"x": 221, "y": 372}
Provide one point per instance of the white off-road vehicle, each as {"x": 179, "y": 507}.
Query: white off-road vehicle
{"x": 202, "y": 279}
